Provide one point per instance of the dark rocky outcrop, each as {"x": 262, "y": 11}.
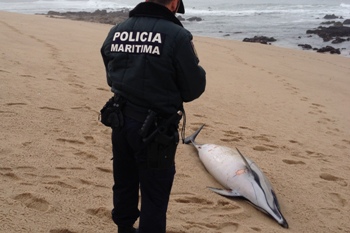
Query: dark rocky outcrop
{"x": 102, "y": 16}
{"x": 260, "y": 39}
{"x": 305, "y": 46}
{"x": 329, "y": 49}
{"x": 181, "y": 18}
{"x": 339, "y": 40}
{"x": 329, "y": 33}
{"x": 332, "y": 17}
{"x": 195, "y": 19}
{"x": 347, "y": 21}
{"x": 98, "y": 16}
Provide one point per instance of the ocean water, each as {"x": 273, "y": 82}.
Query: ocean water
{"x": 285, "y": 20}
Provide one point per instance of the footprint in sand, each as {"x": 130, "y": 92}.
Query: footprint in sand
{"x": 317, "y": 108}
{"x": 85, "y": 155}
{"x": 199, "y": 115}
{"x": 101, "y": 212}
{"x": 106, "y": 170}
{"x": 33, "y": 202}
{"x": 346, "y": 141}
{"x": 70, "y": 168}
{"x": 338, "y": 180}
{"x": 244, "y": 127}
{"x": 62, "y": 230}
{"x": 232, "y": 136}
{"x": 16, "y": 104}
{"x": 61, "y": 184}
{"x": 8, "y": 169}
{"x": 4, "y": 71}
{"x": 83, "y": 108}
{"x": 103, "y": 89}
{"x": 9, "y": 175}
{"x": 8, "y": 113}
{"x": 194, "y": 200}
{"x": 196, "y": 125}
{"x": 220, "y": 208}
{"x": 293, "y": 162}
{"x": 72, "y": 141}
{"x": 90, "y": 138}
{"x": 294, "y": 142}
{"x": 12, "y": 173}
{"x": 210, "y": 227}
{"x": 27, "y": 76}
{"x": 51, "y": 109}
{"x": 265, "y": 148}
{"x": 338, "y": 200}
{"x": 262, "y": 137}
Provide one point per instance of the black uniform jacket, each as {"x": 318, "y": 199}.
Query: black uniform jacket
{"x": 150, "y": 60}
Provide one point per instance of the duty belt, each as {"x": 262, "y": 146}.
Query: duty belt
{"x": 135, "y": 112}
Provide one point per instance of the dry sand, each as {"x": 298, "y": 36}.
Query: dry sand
{"x": 287, "y": 110}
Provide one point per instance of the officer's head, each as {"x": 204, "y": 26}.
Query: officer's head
{"x": 175, "y": 6}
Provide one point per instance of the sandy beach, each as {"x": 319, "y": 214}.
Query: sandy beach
{"x": 287, "y": 110}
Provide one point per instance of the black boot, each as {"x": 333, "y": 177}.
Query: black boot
{"x": 127, "y": 230}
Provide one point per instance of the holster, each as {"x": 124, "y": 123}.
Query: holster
{"x": 161, "y": 144}
{"x": 111, "y": 113}
{"x": 161, "y": 151}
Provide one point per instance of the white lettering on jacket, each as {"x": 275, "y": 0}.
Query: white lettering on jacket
{"x": 138, "y": 42}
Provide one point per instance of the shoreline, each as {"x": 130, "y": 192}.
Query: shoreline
{"x": 113, "y": 17}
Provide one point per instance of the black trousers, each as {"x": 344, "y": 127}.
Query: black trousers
{"x": 131, "y": 175}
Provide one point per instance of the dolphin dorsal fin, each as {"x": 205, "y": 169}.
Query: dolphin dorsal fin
{"x": 245, "y": 161}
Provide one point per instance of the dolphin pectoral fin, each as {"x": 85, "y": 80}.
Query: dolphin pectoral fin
{"x": 225, "y": 192}
{"x": 245, "y": 161}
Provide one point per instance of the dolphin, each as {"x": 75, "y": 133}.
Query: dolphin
{"x": 240, "y": 176}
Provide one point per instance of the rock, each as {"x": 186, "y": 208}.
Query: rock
{"x": 329, "y": 33}
{"x": 181, "y": 18}
{"x": 260, "y": 39}
{"x": 338, "y": 40}
{"x": 98, "y": 16}
{"x": 195, "y": 19}
{"x": 305, "y": 46}
{"x": 53, "y": 13}
{"x": 331, "y": 17}
{"x": 347, "y": 21}
{"x": 331, "y": 22}
{"x": 329, "y": 49}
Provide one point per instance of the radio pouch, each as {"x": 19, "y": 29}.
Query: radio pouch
{"x": 111, "y": 113}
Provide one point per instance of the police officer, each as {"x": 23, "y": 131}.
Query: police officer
{"x": 152, "y": 68}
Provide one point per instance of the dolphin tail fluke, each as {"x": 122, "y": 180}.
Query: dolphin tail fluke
{"x": 191, "y": 138}
{"x": 284, "y": 224}
{"x": 225, "y": 192}
{"x": 280, "y": 219}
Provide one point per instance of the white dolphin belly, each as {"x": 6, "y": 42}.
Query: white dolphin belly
{"x": 221, "y": 162}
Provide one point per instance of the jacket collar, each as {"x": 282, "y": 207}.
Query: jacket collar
{"x": 150, "y": 9}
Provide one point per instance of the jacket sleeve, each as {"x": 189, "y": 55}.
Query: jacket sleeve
{"x": 191, "y": 77}
{"x": 104, "y": 53}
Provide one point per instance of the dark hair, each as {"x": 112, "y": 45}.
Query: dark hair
{"x": 181, "y": 9}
